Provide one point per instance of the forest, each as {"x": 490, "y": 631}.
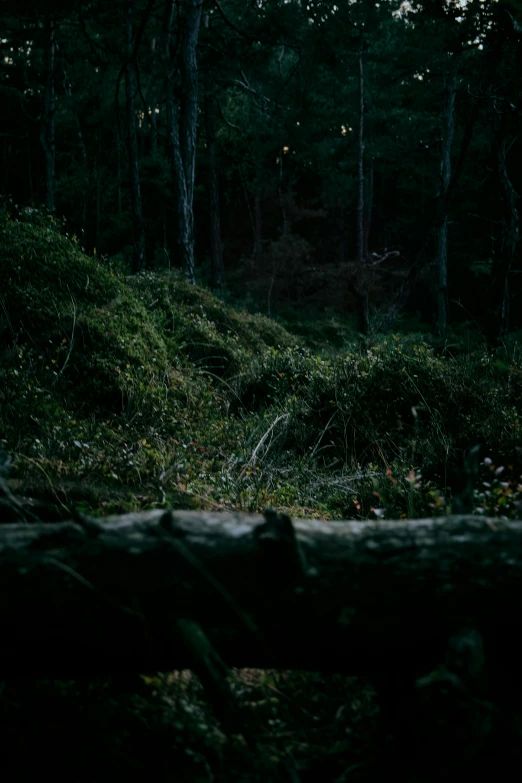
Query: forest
{"x": 260, "y": 389}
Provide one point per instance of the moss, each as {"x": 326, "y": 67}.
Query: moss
{"x": 46, "y": 281}
{"x": 130, "y": 392}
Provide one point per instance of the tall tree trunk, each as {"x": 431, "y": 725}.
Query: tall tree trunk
{"x": 47, "y": 126}
{"x": 118, "y": 173}
{"x": 368, "y": 206}
{"x": 360, "y": 289}
{"x": 441, "y": 256}
{"x": 216, "y": 249}
{"x": 6, "y": 157}
{"x": 97, "y": 225}
{"x": 182, "y": 123}
{"x": 138, "y": 232}
{"x": 29, "y": 170}
{"x": 258, "y": 228}
{"x": 153, "y": 111}
{"x": 360, "y": 167}
{"x": 508, "y": 240}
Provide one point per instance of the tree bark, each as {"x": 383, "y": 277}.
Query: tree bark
{"x": 258, "y": 230}
{"x": 441, "y": 256}
{"x": 216, "y": 247}
{"x": 508, "y": 241}
{"x": 361, "y": 286}
{"x": 138, "y": 231}
{"x": 153, "y": 111}
{"x": 368, "y": 208}
{"x": 118, "y": 174}
{"x": 97, "y": 221}
{"x": 373, "y": 598}
{"x": 360, "y": 166}
{"x": 47, "y": 125}
{"x": 182, "y": 123}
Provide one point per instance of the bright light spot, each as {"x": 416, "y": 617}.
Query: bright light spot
{"x": 285, "y": 149}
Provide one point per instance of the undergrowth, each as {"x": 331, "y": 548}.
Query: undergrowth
{"x": 121, "y": 393}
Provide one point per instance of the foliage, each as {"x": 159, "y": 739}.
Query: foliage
{"x": 121, "y": 393}
{"x": 149, "y": 390}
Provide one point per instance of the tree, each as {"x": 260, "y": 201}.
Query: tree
{"x": 47, "y": 127}
{"x": 210, "y": 108}
{"x": 138, "y": 234}
{"x": 182, "y": 118}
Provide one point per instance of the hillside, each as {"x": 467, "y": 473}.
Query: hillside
{"x": 123, "y": 392}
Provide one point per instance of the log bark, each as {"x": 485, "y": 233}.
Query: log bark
{"x": 374, "y": 598}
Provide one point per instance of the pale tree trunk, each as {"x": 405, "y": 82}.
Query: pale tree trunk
{"x": 47, "y": 126}
{"x": 216, "y": 248}
{"x": 441, "y": 256}
{"x": 182, "y": 123}
{"x": 138, "y": 255}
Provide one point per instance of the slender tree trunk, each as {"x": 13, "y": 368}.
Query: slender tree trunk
{"x": 500, "y": 294}
{"x": 138, "y": 255}
{"x": 182, "y": 123}
{"x": 360, "y": 168}
{"x": 441, "y": 256}
{"x": 29, "y": 170}
{"x": 368, "y": 206}
{"x": 118, "y": 173}
{"x": 97, "y": 227}
{"x": 258, "y": 228}
{"x": 47, "y": 126}
{"x": 6, "y": 156}
{"x": 153, "y": 110}
{"x": 216, "y": 248}
{"x": 360, "y": 289}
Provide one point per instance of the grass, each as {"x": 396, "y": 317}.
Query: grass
{"x": 120, "y": 393}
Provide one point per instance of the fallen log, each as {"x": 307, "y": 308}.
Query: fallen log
{"x": 93, "y": 596}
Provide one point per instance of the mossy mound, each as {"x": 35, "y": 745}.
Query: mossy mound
{"x": 205, "y": 332}
{"x": 106, "y": 377}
